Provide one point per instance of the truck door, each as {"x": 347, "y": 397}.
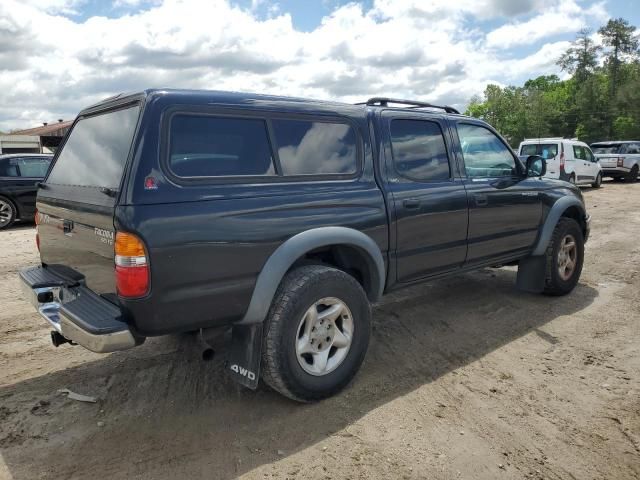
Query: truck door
{"x": 505, "y": 208}
{"x": 427, "y": 194}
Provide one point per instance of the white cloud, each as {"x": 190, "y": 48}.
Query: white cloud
{"x": 565, "y": 17}
{"x": 55, "y": 6}
{"x": 52, "y": 65}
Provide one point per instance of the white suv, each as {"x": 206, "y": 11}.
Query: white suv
{"x": 619, "y": 159}
{"x": 569, "y": 160}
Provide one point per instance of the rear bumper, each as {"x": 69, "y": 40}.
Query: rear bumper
{"x": 76, "y": 312}
{"x": 615, "y": 171}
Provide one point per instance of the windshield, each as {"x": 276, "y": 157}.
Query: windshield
{"x": 608, "y": 148}
{"x": 96, "y": 151}
{"x": 545, "y": 150}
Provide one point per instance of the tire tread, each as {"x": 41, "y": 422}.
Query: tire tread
{"x": 287, "y": 296}
{"x": 551, "y": 287}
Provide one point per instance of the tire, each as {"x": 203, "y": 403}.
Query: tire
{"x": 598, "y": 182}
{"x": 556, "y": 283}
{"x": 633, "y": 174}
{"x": 7, "y": 213}
{"x": 288, "y": 371}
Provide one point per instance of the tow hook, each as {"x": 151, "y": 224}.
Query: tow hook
{"x": 58, "y": 339}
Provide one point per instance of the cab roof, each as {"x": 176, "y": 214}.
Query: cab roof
{"x": 245, "y": 99}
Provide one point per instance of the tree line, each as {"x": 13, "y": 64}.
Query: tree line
{"x": 600, "y": 100}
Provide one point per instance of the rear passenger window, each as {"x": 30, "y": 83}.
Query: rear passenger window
{"x": 633, "y": 148}
{"x": 315, "y": 148}
{"x": 33, "y": 167}
{"x": 419, "y": 151}
{"x": 207, "y": 146}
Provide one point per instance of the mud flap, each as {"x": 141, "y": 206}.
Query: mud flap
{"x": 531, "y": 274}
{"x": 244, "y": 357}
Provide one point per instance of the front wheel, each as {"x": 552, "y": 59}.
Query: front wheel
{"x": 598, "y": 182}
{"x": 316, "y": 333}
{"x": 564, "y": 258}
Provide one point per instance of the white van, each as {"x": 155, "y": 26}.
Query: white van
{"x": 569, "y": 160}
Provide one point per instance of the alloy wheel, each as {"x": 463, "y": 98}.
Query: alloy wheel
{"x": 6, "y": 213}
{"x": 324, "y": 336}
{"x": 567, "y": 257}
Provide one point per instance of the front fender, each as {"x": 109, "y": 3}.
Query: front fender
{"x": 291, "y": 250}
{"x": 558, "y": 208}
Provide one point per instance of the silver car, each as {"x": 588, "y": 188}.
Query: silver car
{"x": 619, "y": 159}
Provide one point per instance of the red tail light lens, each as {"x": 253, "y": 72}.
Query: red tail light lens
{"x": 562, "y": 160}
{"x": 621, "y": 161}
{"x": 132, "y": 270}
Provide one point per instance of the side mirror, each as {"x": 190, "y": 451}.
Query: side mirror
{"x": 536, "y": 166}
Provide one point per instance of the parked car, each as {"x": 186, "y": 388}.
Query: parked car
{"x": 19, "y": 178}
{"x": 282, "y": 219}
{"x": 569, "y": 160}
{"x": 619, "y": 160}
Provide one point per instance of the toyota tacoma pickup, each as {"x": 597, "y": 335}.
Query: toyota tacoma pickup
{"x": 282, "y": 220}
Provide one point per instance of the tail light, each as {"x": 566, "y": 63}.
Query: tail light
{"x": 37, "y": 220}
{"x": 132, "y": 269}
{"x": 562, "y": 160}
{"x": 621, "y": 161}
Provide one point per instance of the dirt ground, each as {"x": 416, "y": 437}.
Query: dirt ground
{"x": 465, "y": 378}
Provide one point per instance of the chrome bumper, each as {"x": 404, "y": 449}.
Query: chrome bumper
{"x": 48, "y": 301}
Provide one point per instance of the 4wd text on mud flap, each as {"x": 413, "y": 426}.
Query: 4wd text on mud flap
{"x": 243, "y": 371}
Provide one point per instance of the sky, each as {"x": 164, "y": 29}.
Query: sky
{"x": 58, "y": 56}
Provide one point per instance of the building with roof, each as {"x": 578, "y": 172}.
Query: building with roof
{"x": 44, "y": 139}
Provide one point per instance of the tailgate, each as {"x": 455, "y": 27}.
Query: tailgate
{"x": 76, "y": 203}
{"x": 79, "y": 239}
{"x": 607, "y": 161}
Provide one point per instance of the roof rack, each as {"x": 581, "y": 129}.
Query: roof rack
{"x": 384, "y": 102}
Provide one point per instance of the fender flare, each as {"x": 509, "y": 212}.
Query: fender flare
{"x": 558, "y": 208}
{"x": 286, "y": 254}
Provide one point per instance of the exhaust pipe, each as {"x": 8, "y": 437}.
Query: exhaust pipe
{"x": 206, "y": 351}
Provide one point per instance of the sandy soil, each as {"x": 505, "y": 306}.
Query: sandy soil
{"x": 465, "y": 378}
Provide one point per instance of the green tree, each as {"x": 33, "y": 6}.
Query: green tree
{"x": 620, "y": 39}
{"x": 581, "y": 59}
{"x": 582, "y": 105}
{"x": 626, "y": 127}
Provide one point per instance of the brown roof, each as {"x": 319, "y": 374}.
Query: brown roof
{"x": 54, "y": 129}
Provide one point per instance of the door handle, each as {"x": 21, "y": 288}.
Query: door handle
{"x": 411, "y": 203}
{"x": 481, "y": 200}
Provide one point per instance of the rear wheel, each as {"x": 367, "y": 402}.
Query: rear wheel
{"x": 564, "y": 258}
{"x": 598, "y": 182}
{"x": 633, "y": 174}
{"x": 316, "y": 333}
{"x": 7, "y": 213}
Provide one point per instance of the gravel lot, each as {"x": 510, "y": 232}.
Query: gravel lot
{"x": 465, "y": 378}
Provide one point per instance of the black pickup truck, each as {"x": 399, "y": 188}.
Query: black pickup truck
{"x": 282, "y": 220}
